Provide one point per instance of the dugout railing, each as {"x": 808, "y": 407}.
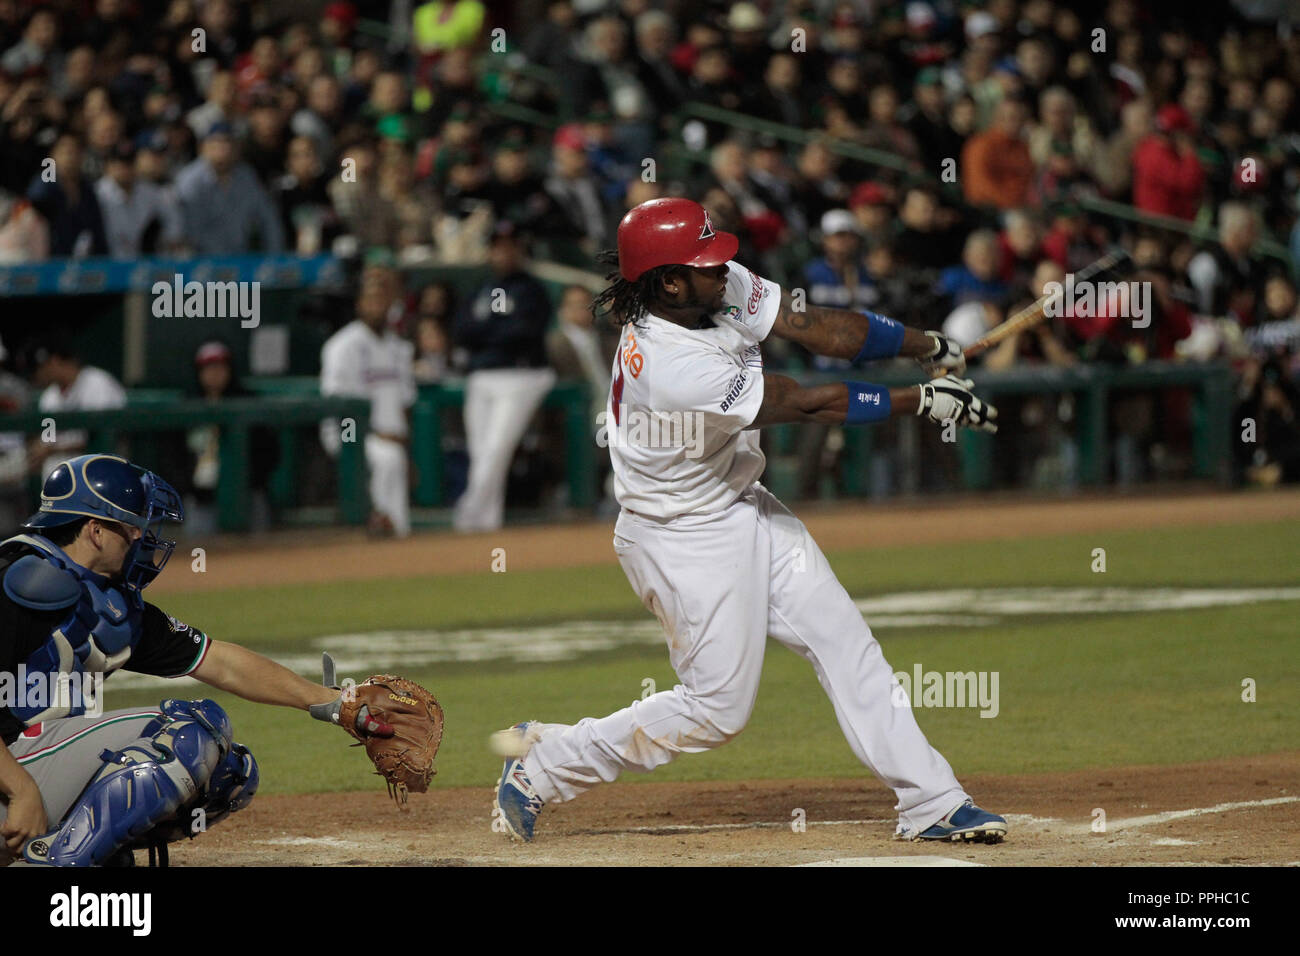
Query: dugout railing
{"x": 150, "y": 413}
{"x": 288, "y": 404}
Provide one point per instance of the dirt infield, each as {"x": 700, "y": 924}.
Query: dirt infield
{"x": 1244, "y": 811}
{"x": 335, "y": 555}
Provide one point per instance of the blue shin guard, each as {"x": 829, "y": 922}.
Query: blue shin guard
{"x": 140, "y": 786}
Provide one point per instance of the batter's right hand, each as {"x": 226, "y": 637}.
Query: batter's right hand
{"x": 950, "y": 398}
{"x": 26, "y": 819}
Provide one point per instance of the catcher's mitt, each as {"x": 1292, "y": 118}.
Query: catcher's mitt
{"x": 405, "y": 759}
{"x": 397, "y": 721}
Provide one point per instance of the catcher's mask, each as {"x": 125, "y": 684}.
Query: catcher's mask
{"x": 113, "y": 489}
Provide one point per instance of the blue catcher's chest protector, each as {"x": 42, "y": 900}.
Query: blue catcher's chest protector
{"x": 118, "y": 612}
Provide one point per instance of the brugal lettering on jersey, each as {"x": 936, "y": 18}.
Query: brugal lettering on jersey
{"x": 80, "y": 692}
{"x": 635, "y": 428}
{"x": 77, "y": 909}
{"x": 208, "y": 300}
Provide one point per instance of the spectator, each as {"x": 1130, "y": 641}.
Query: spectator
{"x": 1045, "y": 342}
{"x": 611, "y": 79}
{"x": 414, "y": 204}
{"x": 713, "y": 82}
{"x": 220, "y": 106}
{"x": 838, "y": 278}
{"x": 264, "y": 148}
{"x": 140, "y": 217}
{"x": 1167, "y": 175}
{"x": 307, "y": 216}
{"x": 976, "y": 279}
{"x": 103, "y": 133}
{"x": 435, "y": 309}
{"x": 574, "y": 190}
{"x": 1071, "y": 240}
{"x": 1020, "y": 247}
{"x": 366, "y": 359}
{"x": 321, "y": 114}
{"x": 654, "y": 33}
{"x": 68, "y": 385}
{"x": 223, "y": 204}
{"x": 921, "y": 242}
{"x": 579, "y": 349}
{"x": 519, "y": 195}
{"x": 1226, "y": 279}
{"x": 1062, "y": 143}
{"x": 781, "y": 96}
{"x": 37, "y": 50}
{"x": 870, "y": 205}
{"x": 553, "y": 42}
{"x": 883, "y": 130}
{"x": 844, "y": 88}
{"x": 729, "y": 166}
{"x": 1113, "y": 162}
{"x": 216, "y": 381}
{"x": 817, "y": 187}
{"x": 996, "y": 167}
{"x": 365, "y": 213}
{"x": 502, "y": 326}
{"x": 23, "y": 123}
{"x": 747, "y": 29}
{"x": 926, "y": 118}
{"x": 1277, "y": 335}
{"x": 68, "y": 203}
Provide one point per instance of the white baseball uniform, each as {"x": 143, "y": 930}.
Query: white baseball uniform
{"x": 723, "y": 564}
{"x": 357, "y": 362}
{"x": 93, "y": 389}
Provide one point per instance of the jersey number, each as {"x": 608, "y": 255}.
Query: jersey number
{"x": 616, "y": 391}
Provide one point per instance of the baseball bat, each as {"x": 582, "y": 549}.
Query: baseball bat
{"x": 1114, "y": 264}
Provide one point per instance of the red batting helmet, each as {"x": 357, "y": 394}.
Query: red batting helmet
{"x": 665, "y": 232}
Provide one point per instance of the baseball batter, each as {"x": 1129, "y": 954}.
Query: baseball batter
{"x": 712, "y": 553}
{"x": 79, "y": 787}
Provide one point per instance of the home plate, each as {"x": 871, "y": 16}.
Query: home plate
{"x": 893, "y": 861}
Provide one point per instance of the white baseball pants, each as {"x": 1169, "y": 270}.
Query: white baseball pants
{"x": 389, "y": 482}
{"x": 720, "y": 584}
{"x": 499, "y": 404}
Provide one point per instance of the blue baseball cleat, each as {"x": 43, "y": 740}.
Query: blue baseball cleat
{"x": 517, "y": 803}
{"x": 967, "y": 824}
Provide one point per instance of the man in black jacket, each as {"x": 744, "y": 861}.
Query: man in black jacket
{"x": 503, "y": 328}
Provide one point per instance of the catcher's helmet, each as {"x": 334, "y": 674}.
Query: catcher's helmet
{"x": 665, "y": 232}
{"x": 113, "y": 489}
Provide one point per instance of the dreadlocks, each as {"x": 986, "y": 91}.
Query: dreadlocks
{"x": 628, "y": 301}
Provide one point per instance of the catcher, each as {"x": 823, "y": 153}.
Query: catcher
{"x": 80, "y": 787}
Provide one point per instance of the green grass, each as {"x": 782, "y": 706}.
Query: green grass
{"x": 1075, "y": 691}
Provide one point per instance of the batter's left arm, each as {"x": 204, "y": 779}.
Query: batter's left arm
{"x": 785, "y": 401}
{"x": 841, "y": 333}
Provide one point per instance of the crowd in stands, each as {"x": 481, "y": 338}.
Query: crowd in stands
{"x": 221, "y": 126}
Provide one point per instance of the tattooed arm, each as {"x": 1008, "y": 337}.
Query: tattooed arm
{"x": 840, "y": 333}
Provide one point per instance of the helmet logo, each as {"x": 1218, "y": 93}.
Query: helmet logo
{"x": 706, "y": 230}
